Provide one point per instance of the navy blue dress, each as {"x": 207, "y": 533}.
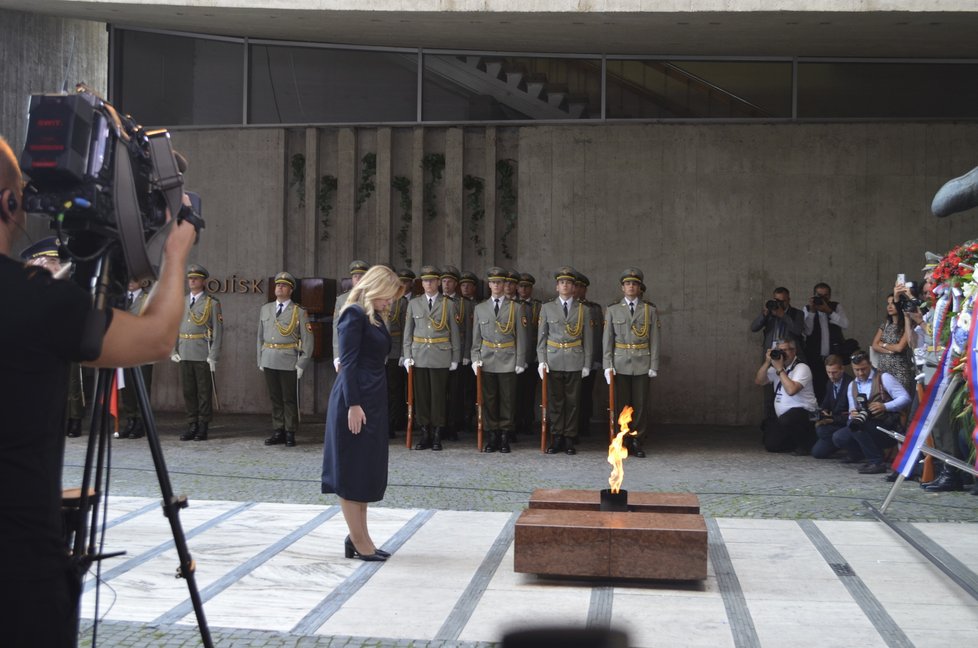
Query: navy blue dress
{"x": 355, "y": 465}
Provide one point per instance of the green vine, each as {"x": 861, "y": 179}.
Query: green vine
{"x": 368, "y": 170}
{"x": 324, "y": 201}
{"x": 434, "y": 166}
{"x": 402, "y": 184}
{"x": 506, "y": 193}
{"x": 298, "y": 179}
{"x": 475, "y": 189}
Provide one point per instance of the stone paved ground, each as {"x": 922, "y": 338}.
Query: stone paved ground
{"x": 725, "y": 466}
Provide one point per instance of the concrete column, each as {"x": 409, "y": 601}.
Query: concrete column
{"x": 453, "y": 195}
{"x": 382, "y": 243}
{"x": 304, "y": 260}
{"x": 417, "y": 200}
{"x": 346, "y": 190}
{"x": 488, "y": 232}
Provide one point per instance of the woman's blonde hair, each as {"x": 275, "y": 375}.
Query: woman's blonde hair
{"x": 379, "y": 282}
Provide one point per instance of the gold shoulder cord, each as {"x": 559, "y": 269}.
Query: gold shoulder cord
{"x": 290, "y": 329}
{"x": 443, "y": 324}
{"x": 392, "y": 315}
{"x": 575, "y": 331}
{"x": 644, "y": 331}
{"x": 508, "y": 328}
{"x": 535, "y": 313}
{"x": 460, "y": 315}
{"x": 206, "y": 315}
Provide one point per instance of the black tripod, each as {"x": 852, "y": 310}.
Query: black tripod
{"x": 97, "y": 470}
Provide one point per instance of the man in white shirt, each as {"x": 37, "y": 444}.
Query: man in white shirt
{"x": 794, "y": 400}
{"x": 876, "y": 400}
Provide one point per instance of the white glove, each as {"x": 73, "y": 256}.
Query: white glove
{"x": 298, "y": 373}
{"x": 336, "y": 364}
{"x": 453, "y": 366}
{"x": 175, "y": 357}
{"x": 475, "y": 367}
{"x": 520, "y": 369}
{"x": 212, "y": 364}
{"x": 400, "y": 361}
{"x": 585, "y": 372}
{"x": 261, "y": 368}
{"x": 653, "y": 373}
{"x": 465, "y": 362}
{"x": 608, "y": 373}
{"x": 542, "y": 368}
{"x": 408, "y": 363}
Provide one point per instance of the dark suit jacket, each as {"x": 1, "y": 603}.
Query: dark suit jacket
{"x": 791, "y": 326}
{"x": 838, "y": 406}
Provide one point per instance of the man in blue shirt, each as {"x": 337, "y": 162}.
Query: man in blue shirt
{"x": 876, "y": 400}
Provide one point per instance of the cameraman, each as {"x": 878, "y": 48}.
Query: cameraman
{"x": 825, "y": 321}
{"x": 794, "y": 400}
{"x": 833, "y": 408}
{"x": 780, "y": 320}
{"x": 47, "y": 320}
{"x": 876, "y": 400}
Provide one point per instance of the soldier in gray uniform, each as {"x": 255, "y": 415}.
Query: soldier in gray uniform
{"x": 499, "y": 349}
{"x": 528, "y": 383}
{"x": 198, "y": 349}
{"x": 564, "y": 350}
{"x": 357, "y": 269}
{"x": 455, "y": 413}
{"x": 285, "y": 347}
{"x": 631, "y": 353}
{"x": 396, "y": 390}
{"x": 595, "y": 319}
{"x": 136, "y": 294}
{"x": 433, "y": 346}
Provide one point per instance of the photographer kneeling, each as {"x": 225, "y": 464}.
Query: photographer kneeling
{"x": 794, "y": 400}
{"x": 876, "y": 400}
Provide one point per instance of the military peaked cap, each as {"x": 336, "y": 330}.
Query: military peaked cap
{"x": 406, "y": 273}
{"x": 450, "y": 272}
{"x": 430, "y": 272}
{"x": 496, "y": 273}
{"x": 565, "y": 272}
{"x": 285, "y": 278}
{"x": 468, "y": 277}
{"x": 526, "y": 279}
{"x": 197, "y": 271}
{"x": 582, "y": 279}
{"x": 512, "y": 275}
{"x": 359, "y": 267}
{"x": 632, "y": 274}
{"x": 45, "y": 247}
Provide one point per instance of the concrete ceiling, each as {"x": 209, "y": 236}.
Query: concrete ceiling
{"x": 771, "y": 33}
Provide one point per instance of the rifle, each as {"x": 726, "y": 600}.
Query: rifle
{"x": 410, "y": 407}
{"x": 611, "y": 409}
{"x": 478, "y": 407}
{"x": 543, "y": 413}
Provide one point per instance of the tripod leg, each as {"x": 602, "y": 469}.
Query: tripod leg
{"x": 171, "y": 504}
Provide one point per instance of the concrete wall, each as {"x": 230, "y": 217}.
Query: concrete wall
{"x": 716, "y": 216}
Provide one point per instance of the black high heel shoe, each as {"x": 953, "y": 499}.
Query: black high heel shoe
{"x": 351, "y": 552}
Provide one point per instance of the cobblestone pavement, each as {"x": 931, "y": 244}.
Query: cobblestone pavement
{"x": 726, "y": 467}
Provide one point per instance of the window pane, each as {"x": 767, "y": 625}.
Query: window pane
{"x": 494, "y": 88}
{"x": 881, "y": 90}
{"x": 164, "y": 80}
{"x": 646, "y": 89}
{"x": 292, "y": 85}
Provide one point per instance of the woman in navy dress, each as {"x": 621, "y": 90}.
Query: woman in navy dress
{"x": 355, "y": 447}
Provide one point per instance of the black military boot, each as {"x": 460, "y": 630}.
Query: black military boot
{"x": 290, "y": 438}
{"x": 490, "y": 445}
{"x": 278, "y": 436}
{"x": 571, "y": 450}
{"x": 504, "y": 443}
{"x": 192, "y": 430}
{"x": 948, "y": 480}
{"x": 202, "y": 433}
{"x": 135, "y": 429}
{"x": 556, "y": 444}
{"x": 636, "y": 449}
{"x": 74, "y": 428}
{"x": 436, "y": 439}
{"x": 130, "y": 426}
{"x": 425, "y": 441}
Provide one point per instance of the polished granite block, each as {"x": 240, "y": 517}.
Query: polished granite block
{"x": 590, "y": 500}
{"x": 597, "y": 544}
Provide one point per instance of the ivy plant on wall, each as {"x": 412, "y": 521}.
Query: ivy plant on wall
{"x": 368, "y": 170}
{"x": 402, "y": 184}
{"x": 324, "y": 201}
{"x": 434, "y": 166}
{"x": 506, "y": 197}
{"x": 298, "y": 179}
{"x": 474, "y": 191}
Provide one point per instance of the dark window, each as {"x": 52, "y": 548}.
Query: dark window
{"x": 647, "y": 89}
{"x": 888, "y": 90}
{"x": 495, "y": 88}
{"x": 164, "y": 80}
{"x": 299, "y": 85}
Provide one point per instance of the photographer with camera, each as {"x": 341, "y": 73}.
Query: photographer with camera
{"x": 833, "y": 408}
{"x": 794, "y": 400}
{"x": 779, "y": 320}
{"x": 49, "y": 320}
{"x": 892, "y": 346}
{"x": 825, "y": 321}
{"x": 876, "y": 399}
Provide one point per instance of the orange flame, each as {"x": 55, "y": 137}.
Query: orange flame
{"x": 617, "y": 453}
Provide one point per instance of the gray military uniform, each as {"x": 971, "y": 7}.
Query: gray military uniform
{"x": 565, "y": 344}
{"x": 129, "y": 404}
{"x": 201, "y": 334}
{"x": 499, "y": 343}
{"x": 432, "y": 339}
{"x": 284, "y": 344}
{"x": 631, "y": 348}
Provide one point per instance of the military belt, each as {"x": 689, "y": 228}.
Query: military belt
{"x": 621, "y": 345}
{"x": 564, "y": 345}
{"x": 498, "y": 345}
{"x": 272, "y": 345}
{"x": 193, "y": 336}
{"x": 396, "y": 333}
{"x": 424, "y": 340}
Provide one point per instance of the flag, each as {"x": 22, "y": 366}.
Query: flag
{"x": 925, "y": 417}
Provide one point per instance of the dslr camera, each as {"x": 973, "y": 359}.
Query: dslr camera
{"x": 777, "y": 354}
{"x": 858, "y": 420}
{"x": 912, "y": 303}
{"x": 104, "y": 181}
{"x": 773, "y": 304}
{"x": 818, "y": 300}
